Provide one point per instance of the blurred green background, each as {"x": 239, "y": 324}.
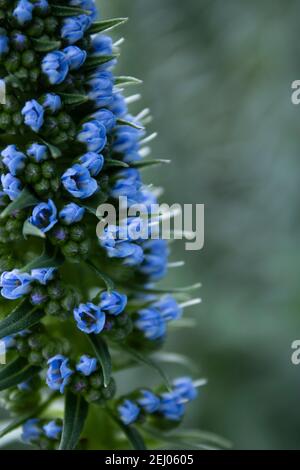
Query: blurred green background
{"x": 217, "y": 76}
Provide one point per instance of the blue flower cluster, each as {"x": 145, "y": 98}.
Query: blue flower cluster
{"x": 91, "y": 318}
{"x": 168, "y": 405}
{"x": 60, "y": 371}
{"x": 71, "y": 144}
{"x": 15, "y": 284}
{"x": 34, "y": 429}
{"x": 153, "y": 319}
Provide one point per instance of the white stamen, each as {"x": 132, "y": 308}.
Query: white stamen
{"x": 143, "y": 114}
{"x": 176, "y": 264}
{"x": 200, "y": 383}
{"x": 190, "y": 303}
{"x": 119, "y": 42}
{"x": 149, "y": 138}
{"x": 145, "y": 152}
{"x": 133, "y": 98}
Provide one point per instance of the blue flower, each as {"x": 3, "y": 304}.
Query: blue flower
{"x": 33, "y": 114}
{"x": 73, "y": 28}
{"x": 9, "y": 342}
{"x": 184, "y": 389}
{"x": 170, "y": 407}
{"x": 102, "y": 44}
{"x": 15, "y": 284}
{"x": 52, "y": 430}
{"x": 59, "y": 373}
{"x": 31, "y": 431}
{"x": 87, "y": 365}
{"x": 93, "y": 162}
{"x": 75, "y": 56}
{"x": 118, "y": 105}
{"x": 13, "y": 159}
{"x": 52, "y": 102}
{"x": 128, "y": 185}
{"x": 169, "y": 308}
{"x": 44, "y": 216}
{"x": 151, "y": 323}
{"x": 149, "y": 402}
{"x": 88, "y": 5}
{"x": 71, "y": 213}
{"x": 19, "y": 40}
{"x": 101, "y": 88}
{"x": 23, "y": 12}
{"x": 4, "y": 47}
{"x": 113, "y": 303}
{"x": 129, "y": 412}
{"x": 155, "y": 261}
{"x": 93, "y": 134}
{"x": 55, "y": 66}
{"x": 127, "y": 139}
{"x": 89, "y": 318}
{"x": 131, "y": 253}
{"x": 25, "y": 386}
{"x": 43, "y": 275}
{"x": 107, "y": 118}
{"x": 38, "y": 152}
{"x": 42, "y": 5}
{"x": 78, "y": 182}
{"x": 11, "y": 186}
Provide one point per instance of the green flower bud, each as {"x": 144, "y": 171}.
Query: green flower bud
{"x": 84, "y": 248}
{"x": 13, "y": 61}
{"x": 48, "y": 170}
{"x": 35, "y": 358}
{"x": 64, "y": 121}
{"x": 42, "y": 188}
{"x": 53, "y": 308}
{"x": 5, "y": 121}
{"x": 36, "y": 29}
{"x": 32, "y": 173}
{"x": 77, "y": 233}
{"x": 50, "y": 24}
{"x": 28, "y": 59}
{"x": 56, "y": 290}
{"x": 71, "y": 250}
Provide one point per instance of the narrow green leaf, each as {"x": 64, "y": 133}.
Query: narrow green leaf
{"x": 73, "y": 99}
{"x": 107, "y": 281}
{"x": 147, "y": 163}
{"x": 146, "y": 360}
{"x": 97, "y": 60}
{"x": 105, "y": 25}
{"x": 12, "y": 367}
{"x": 12, "y": 376}
{"x": 124, "y": 81}
{"x": 59, "y": 10}
{"x": 123, "y": 122}
{"x": 191, "y": 439}
{"x": 103, "y": 356}
{"x": 25, "y": 199}
{"x": 19, "y": 420}
{"x": 29, "y": 229}
{"x": 173, "y": 358}
{"x": 76, "y": 410}
{"x": 116, "y": 163}
{"x": 50, "y": 258}
{"x": 134, "y": 437}
{"x": 22, "y": 317}
{"x": 42, "y": 45}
